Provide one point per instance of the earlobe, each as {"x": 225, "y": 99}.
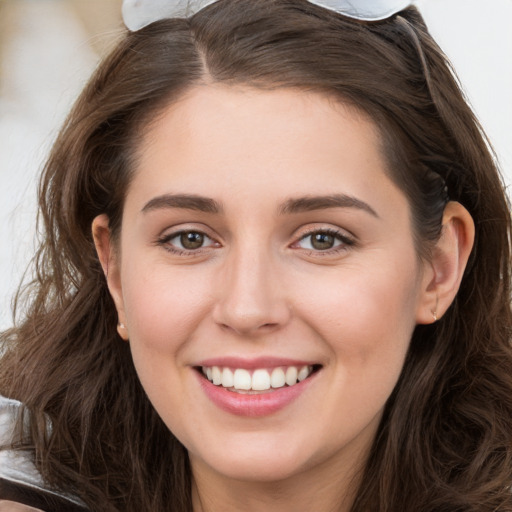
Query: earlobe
{"x": 109, "y": 262}
{"x": 446, "y": 268}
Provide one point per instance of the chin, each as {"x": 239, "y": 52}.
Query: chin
{"x": 258, "y": 470}
{"x": 269, "y": 463}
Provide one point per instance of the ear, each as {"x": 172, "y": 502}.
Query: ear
{"x": 443, "y": 274}
{"x": 110, "y": 263}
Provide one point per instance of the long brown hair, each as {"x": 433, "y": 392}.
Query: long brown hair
{"x": 445, "y": 440}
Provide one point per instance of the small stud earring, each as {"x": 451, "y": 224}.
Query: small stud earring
{"x": 122, "y": 331}
{"x": 434, "y": 313}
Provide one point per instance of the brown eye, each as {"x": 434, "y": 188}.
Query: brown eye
{"x": 325, "y": 240}
{"x": 322, "y": 241}
{"x": 191, "y": 240}
{"x": 186, "y": 242}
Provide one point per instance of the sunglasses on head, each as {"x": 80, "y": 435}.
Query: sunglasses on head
{"x": 139, "y": 13}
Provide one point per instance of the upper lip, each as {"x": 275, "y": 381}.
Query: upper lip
{"x": 254, "y": 363}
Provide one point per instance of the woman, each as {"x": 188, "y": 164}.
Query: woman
{"x": 276, "y": 276}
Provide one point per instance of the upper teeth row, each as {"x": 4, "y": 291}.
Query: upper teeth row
{"x": 260, "y": 380}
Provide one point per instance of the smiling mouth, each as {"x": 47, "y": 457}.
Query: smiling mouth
{"x": 241, "y": 380}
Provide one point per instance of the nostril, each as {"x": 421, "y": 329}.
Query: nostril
{"x": 249, "y": 327}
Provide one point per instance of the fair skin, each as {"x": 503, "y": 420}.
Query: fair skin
{"x": 298, "y": 249}
{"x": 11, "y": 506}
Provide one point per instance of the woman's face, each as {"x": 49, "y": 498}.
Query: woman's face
{"x": 262, "y": 243}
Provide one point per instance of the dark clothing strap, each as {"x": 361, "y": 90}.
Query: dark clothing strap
{"x": 36, "y": 498}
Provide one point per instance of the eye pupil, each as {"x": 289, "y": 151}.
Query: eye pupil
{"x": 322, "y": 241}
{"x": 191, "y": 240}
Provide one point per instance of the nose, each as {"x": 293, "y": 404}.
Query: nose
{"x": 251, "y": 299}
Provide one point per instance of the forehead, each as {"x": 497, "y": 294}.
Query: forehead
{"x": 221, "y": 111}
{"x": 241, "y": 142}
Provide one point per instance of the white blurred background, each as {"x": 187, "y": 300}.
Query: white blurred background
{"x": 48, "y": 49}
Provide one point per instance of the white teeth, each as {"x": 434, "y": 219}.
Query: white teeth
{"x": 260, "y": 380}
{"x": 291, "y": 376}
{"x": 242, "y": 379}
{"x": 216, "y": 375}
{"x": 278, "y": 379}
{"x": 227, "y": 378}
{"x": 303, "y": 373}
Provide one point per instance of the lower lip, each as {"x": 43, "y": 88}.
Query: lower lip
{"x": 262, "y": 404}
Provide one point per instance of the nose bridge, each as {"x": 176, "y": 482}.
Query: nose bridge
{"x": 250, "y": 298}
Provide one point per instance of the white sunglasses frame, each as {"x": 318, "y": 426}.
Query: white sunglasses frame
{"x": 139, "y": 13}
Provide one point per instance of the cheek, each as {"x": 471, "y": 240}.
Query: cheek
{"x": 366, "y": 320}
{"x": 163, "y": 306}
{"x": 365, "y": 315}
{"x": 163, "y": 309}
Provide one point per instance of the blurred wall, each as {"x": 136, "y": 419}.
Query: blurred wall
{"x": 48, "y": 48}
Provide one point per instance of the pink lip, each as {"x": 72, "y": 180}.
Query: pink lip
{"x": 252, "y": 364}
{"x": 262, "y": 404}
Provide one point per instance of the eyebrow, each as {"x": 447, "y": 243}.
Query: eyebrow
{"x": 310, "y": 203}
{"x": 290, "y": 206}
{"x": 184, "y": 201}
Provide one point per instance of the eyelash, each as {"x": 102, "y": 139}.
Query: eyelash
{"x": 165, "y": 240}
{"x": 346, "y": 241}
{"x": 339, "y": 236}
